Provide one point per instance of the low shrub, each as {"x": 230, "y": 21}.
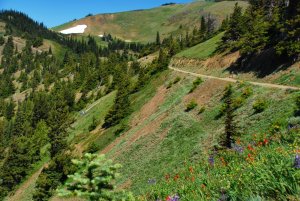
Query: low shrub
{"x": 92, "y": 148}
{"x": 247, "y": 92}
{"x": 259, "y": 105}
{"x": 196, "y": 83}
{"x": 201, "y": 110}
{"x": 177, "y": 79}
{"x": 170, "y": 84}
{"x": 191, "y": 105}
{"x": 93, "y": 125}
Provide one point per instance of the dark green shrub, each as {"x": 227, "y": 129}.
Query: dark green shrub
{"x": 123, "y": 128}
{"x": 247, "y": 92}
{"x": 177, "y": 79}
{"x": 92, "y": 148}
{"x": 297, "y": 100}
{"x": 169, "y": 85}
{"x": 202, "y": 109}
{"x": 191, "y": 106}
{"x": 2, "y": 41}
{"x": 93, "y": 125}
{"x": 196, "y": 83}
{"x": 238, "y": 102}
{"x": 259, "y": 105}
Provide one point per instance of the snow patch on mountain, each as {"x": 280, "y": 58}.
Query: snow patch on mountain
{"x": 75, "y": 30}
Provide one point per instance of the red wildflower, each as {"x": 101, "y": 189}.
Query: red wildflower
{"x": 250, "y": 158}
{"x": 191, "y": 169}
{"x": 266, "y": 141}
{"x": 250, "y": 148}
{"x": 176, "y": 177}
{"x": 167, "y": 177}
{"x": 168, "y": 198}
{"x": 223, "y": 161}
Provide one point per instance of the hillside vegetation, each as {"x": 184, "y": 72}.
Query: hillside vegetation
{"x": 202, "y": 50}
{"x": 143, "y": 25}
{"x": 123, "y": 121}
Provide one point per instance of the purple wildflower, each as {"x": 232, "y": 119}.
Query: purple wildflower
{"x": 223, "y": 196}
{"x": 151, "y": 181}
{"x": 211, "y": 160}
{"x": 297, "y": 162}
{"x": 175, "y": 198}
{"x": 238, "y": 148}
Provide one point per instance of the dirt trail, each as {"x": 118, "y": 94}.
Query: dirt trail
{"x": 267, "y": 85}
{"x": 18, "y": 195}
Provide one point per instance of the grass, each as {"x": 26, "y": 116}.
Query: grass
{"x": 137, "y": 101}
{"x": 143, "y": 25}
{"x": 99, "y": 110}
{"x": 202, "y": 50}
{"x": 57, "y": 49}
{"x": 184, "y": 139}
{"x": 233, "y": 172}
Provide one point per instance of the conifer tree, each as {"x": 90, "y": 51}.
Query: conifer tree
{"x": 158, "y": 42}
{"x": 235, "y": 28}
{"x": 203, "y": 27}
{"x": 230, "y": 127}
{"x": 94, "y": 180}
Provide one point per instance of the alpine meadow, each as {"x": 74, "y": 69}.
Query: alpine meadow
{"x": 187, "y": 101}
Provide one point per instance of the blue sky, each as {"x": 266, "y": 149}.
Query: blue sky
{"x": 56, "y": 12}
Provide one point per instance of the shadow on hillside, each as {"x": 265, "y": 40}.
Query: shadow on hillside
{"x": 263, "y": 64}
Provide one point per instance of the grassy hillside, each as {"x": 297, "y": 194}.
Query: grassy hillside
{"x": 202, "y": 50}
{"x": 165, "y": 139}
{"x": 143, "y": 25}
{"x": 161, "y": 138}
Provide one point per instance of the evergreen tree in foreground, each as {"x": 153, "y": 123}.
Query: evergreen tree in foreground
{"x": 94, "y": 180}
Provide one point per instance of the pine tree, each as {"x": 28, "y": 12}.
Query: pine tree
{"x": 230, "y": 127}
{"x": 158, "y": 42}
{"x": 94, "y": 180}
{"x": 203, "y": 28}
{"x": 235, "y": 28}
{"x": 291, "y": 43}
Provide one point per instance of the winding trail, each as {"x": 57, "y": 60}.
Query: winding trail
{"x": 267, "y": 85}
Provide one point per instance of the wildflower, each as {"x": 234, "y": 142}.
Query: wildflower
{"x": 193, "y": 179}
{"x": 223, "y": 161}
{"x": 250, "y": 148}
{"x": 238, "y": 148}
{"x": 223, "y": 197}
{"x": 191, "y": 169}
{"x": 266, "y": 141}
{"x": 151, "y": 181}
{"x": 167, "y": 177}
{"x": 250, "y": 158}
{"x": 211, "y": 160}
{"x": 175, "y": 197}
{"x": 176, "y": 177}
{"x": 297, "y": 162}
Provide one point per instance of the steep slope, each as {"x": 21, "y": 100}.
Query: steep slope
{"x": 142, "y": 25}
{"x": 163, "y": 137}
